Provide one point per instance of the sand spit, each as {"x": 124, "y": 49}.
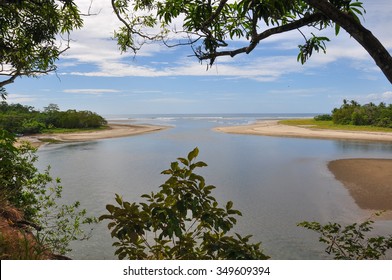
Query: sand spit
{"x": 273, "y": 128}
{"x": 113, "y": 131}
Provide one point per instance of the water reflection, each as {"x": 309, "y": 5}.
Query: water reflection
{"x": 361, "y": 146}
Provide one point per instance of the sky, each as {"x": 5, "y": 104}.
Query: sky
{"x": 94, "y": 75}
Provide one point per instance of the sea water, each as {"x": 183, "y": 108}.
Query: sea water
{"x": 276, "y": 182}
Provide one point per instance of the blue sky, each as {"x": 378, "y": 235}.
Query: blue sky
{"x": 94, "y": 75}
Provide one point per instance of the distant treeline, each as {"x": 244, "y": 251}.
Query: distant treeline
{"x": 21, "y": 119}
{"x": 355, "y": 114}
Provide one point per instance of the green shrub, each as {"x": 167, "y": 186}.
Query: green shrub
{"x": 37, "y": 195}
{"x": 324, "y": 117}
{"x": 351, "y": 242}
{"x": 181, "y": 221}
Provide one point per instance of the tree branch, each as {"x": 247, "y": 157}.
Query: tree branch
{"x": 362, "y": 35}
{"x": 307, "y": 20}
{"x": 9, "y": 80}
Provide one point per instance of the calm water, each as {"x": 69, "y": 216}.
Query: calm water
{"x": 275, "y": 182}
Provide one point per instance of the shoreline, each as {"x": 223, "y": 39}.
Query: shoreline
{"x": 113, "y": 131}
{"x": 273, "y": 128}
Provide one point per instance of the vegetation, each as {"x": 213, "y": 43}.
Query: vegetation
{"x": 43, "y": 227}
{"x": 351, "y": 116}
{"x": 369, "y": 114}
{"x": 212, "y": 28}
{"x": 312, "y": 123}
{"x": 29, "y": 36}
{"x": 181, "y": 221}
{"x": 20, "y": 119}
{"x": 351, "y": 242}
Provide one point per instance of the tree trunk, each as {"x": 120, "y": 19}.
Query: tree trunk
{"x": 363, "y": 36}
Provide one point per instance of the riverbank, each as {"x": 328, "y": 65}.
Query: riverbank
{"x": 274, "y": 128}
{"x": 113, "y": 131}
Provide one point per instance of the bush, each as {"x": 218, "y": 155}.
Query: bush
{"x": 324, "y": 117}
{"x": 351, "y": 242}
{"x": 31, "y": 127}
{"x": 36, "y": 195}
{"x": 181, "y": 221}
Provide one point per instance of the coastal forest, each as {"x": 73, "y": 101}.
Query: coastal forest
{"x": 24, "y": 120}
{"x": 353, "y": 113}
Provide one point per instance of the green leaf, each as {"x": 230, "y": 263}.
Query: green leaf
{"x": 183, "y": 161}
{"x": 110, "y": 208}
{"x": 193, "y": 154}
{"x": 119, "y": 199}
{"x": 337, "y": 29}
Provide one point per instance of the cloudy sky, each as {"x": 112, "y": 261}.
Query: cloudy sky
{"x": 94, "y": 75}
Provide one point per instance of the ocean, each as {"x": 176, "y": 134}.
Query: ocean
{"x": 276, "y": 182}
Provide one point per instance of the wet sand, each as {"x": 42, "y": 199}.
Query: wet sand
{"x": 369, "y": 181}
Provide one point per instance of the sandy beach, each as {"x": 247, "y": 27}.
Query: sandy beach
{"x": 113, "y": 131}
{"x": 273, "y": 128}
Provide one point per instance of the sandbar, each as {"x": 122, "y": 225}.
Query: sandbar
{"x": 113, "y": 131}
{"x": 274, "y": 128}
{"x": 369, "y": 181}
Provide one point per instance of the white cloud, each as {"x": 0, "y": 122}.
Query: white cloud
{"x": 19, "y": 98}
{"x": 378, "y": 97}
{"x": 93, "y": 91}
{"x": 93, "y": 46}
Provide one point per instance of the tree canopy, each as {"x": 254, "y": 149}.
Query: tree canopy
{"x": 29, "y": 36}
{"x": 211, "y": 26}
{"x": 369, "y": 114}
{"x": 20, "y": 119}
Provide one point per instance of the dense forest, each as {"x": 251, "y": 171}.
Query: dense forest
{"x": 355, "y": 114}
{"x": 21, "y": 119}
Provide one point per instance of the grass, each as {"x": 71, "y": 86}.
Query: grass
{"x": 330, "y": 125}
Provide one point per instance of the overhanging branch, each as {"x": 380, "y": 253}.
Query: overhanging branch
{"x": 362, "y": 35}
{"x": 305, "y": 21}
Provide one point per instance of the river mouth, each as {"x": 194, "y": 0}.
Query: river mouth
{"x": 275, "y": 182}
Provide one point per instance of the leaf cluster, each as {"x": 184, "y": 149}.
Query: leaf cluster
{"x": 211, "y": 26}
{"x": 28, "y": 35}
{"x": 181, "y": 221}
{"x": 351, "y": 242}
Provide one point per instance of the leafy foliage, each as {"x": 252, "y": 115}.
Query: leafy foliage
{"x": 369, "y": 114}
{"x": 324, "y": 117}
{"x": 351, "y": 242}
{"x": 20, "y": 119}
{"x": 37, "y": 195}
{"x": 181, "y": 221}
{"x": 211, "y": 26}
{"x": 29, "y": 35}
